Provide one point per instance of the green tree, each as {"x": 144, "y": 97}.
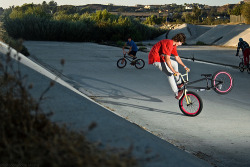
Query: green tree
{"x": 236, "y": 10}
{"x": 52, "y": 6}
{"x": 1, "y": 10}
{"x": 188, "y": 18}
{"x": 153, "y": 20}
{"x": 68, "y": 9}
{"x": 246, "y": 12}
{"x": 197, "y": 13}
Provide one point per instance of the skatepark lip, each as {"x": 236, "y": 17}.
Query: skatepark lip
{"x": 221, "y": 35}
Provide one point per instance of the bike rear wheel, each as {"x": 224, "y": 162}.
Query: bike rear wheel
{"x": 139, "y": 63}
{"x": 121, "y": 63}
{"x": 191, "y": 104}
{"x": 241, "y": 67}
{"x": 222, "y": 82}
{"x": 248, "y": 70}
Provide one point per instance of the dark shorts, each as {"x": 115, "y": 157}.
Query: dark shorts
{"x": 132, "y": 53}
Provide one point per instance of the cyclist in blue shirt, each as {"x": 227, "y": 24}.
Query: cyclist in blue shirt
{"x": 133, "y": 48}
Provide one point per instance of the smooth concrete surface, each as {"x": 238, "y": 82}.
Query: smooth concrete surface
{"x": 219, "y": 135}
{"x": 73, "y": 108}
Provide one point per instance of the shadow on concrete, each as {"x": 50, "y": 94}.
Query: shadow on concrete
{"x": 112, "y": 93}
{"x": 139, "y": 107}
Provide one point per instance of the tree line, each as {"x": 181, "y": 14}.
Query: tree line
{"x": 47, "y": 21}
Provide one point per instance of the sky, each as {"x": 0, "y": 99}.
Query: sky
{"x": 7, "y": 3}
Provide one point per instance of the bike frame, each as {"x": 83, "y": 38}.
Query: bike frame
{"x": 242, "y": 60}
{"x": 207, "y": 78}
{"x": 187, "y": 84}
{"x": 129, "y": 58}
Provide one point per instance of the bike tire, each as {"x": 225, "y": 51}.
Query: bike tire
{"x": 227, "y": 80}
{"x": 248, "y": 70}
{"x": 139, "y": 63}
{"x": 121, "y": 63}
{"x": 192, "y": 109}
{"x": 241, "y": 67}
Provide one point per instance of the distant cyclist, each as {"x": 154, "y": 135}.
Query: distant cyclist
{"x": 132, "y": 49}
{"x": 244, "y": 46}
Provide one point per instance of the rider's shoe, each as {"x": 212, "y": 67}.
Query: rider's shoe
{"x": 134, "y": 58}
{"x": 180, "y": 93}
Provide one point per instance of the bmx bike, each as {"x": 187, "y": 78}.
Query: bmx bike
{"x": 191, "y": 103}
{"x": 122, "y": 62}
{"x": 242, "y": 66}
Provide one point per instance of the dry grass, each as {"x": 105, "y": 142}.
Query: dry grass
{"x": 27, "y": 135}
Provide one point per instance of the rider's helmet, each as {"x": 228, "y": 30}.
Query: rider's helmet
{"x": 240, "y": 39}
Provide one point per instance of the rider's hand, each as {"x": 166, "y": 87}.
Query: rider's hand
{"x": 176, "y": 74}
{"x": 187, "y": 69}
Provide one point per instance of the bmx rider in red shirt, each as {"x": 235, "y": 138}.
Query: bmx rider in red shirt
{"x": 160, "y": 55}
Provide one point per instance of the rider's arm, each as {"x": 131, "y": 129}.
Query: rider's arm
{"x": 124, "y": 48}
{"x": 130, "y": 49}
{"x": 238, "y": 49}
{"x": 178, "y": 59}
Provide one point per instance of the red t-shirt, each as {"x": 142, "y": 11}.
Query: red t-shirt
{"x": 162, "y": 47}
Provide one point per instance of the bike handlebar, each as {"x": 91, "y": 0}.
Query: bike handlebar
{"x": 182, "y": 76}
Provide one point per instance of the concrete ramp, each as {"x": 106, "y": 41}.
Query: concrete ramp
{"x": 191, "y": 31}
{"x": 225, "y": 35}
{"x": 222, "y": 35}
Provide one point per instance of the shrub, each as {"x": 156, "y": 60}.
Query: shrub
{"x": 200, "y": 43}
{"x": 16, "y": 44}
{"x": 29, "y": 137}
{"x": 142, "y": 48}
{"x": 100, "y": 26}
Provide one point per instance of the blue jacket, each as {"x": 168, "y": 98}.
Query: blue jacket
{"x": 134, "y": 47}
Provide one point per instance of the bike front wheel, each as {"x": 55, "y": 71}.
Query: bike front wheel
{"x": 241, "y": 67}
{"x": 222, "y": 82}
{"x": 139, "y": 63}
{"x": 191, "y": 104}
{"x": 121, "y": 63}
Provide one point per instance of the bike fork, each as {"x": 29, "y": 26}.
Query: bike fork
{"x": 188, "y": 100}
{"x": 123, "y": 60}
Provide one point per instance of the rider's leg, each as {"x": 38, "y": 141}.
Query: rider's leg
{"x": 175, "y": 67}
{"x": 132, "y": 54}
{"x": 164, "y": 68}
{"x": 246, "y": 56}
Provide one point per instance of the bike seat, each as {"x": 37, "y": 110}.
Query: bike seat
{"x": 206, "y": 75}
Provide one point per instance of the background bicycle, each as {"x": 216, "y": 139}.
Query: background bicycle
{"x": 242, "y": 66}
{"x": 138, "y": 63}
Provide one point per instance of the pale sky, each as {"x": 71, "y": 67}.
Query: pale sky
{"x": 7, "y": 3}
